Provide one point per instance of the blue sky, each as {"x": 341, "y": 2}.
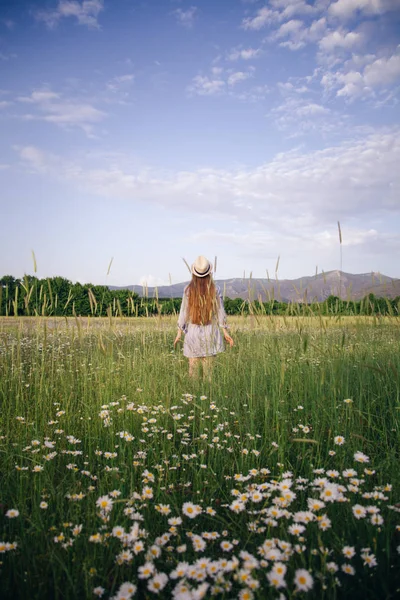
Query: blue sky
{"x": 147, "y": 131}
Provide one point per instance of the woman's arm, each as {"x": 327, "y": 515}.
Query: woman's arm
{"x": 182, "y": 325}
{"x": 222, "y": 318}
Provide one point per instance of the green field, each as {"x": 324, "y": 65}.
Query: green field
{"x": 277, "y": 478}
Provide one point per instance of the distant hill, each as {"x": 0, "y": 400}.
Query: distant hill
{"x": 304, "y": 289}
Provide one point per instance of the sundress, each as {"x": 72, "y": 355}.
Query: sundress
{"x": 202, "y": 340}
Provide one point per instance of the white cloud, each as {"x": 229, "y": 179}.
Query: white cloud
{"x": 244, "y": 53}
{"x": 238, "y": 76}
{"x": 39, "y": 96}
{"x": 53, "y": 108}
{"x": 258, "y": 240}
{"x": 339, "y": 39}
{"x": 152, "y": 281}
{"x": 36, "y": 159}
{"x": 293, "y": 192}
{"x": 255, "y": 93}
{"x": 264, "y": 16}
{"x": 299, "y": 34}
{"x": 288, "y": 86}
{"x": 218, "y": 82}
{"x": 288, "y": 28}
{"x": 283, "y": 10}
{"x": 85, "y": 12}
{"x": 298, "y": 115}
{"x": 290, "y": 8}
{"x": 352, "y": 84}
{"x": 186, "y": 17}
{"x": 346, "y": 9}
{"x": 206, "y": 86}
{"x": 120, "y": 81}
{"x": 383, "y": 71}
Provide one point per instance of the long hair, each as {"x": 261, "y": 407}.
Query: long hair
{"x": 201, "y": 300}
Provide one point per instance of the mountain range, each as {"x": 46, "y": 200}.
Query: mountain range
{"x": 304, "y": 289}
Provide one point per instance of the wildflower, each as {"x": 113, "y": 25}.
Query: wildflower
{"x": 332, "y": 567}
{"x": 198, "y": 543}
{"x": 314, "y": 504}
{"x": 279, "y": 569}
{"x": 339, "y": 440}
{"x": 329, "y": 493}
{"x": 12, "y": 513}
{"x": 164, "y": 509}
{"x": 226, "y": 546}
{"x": 346, "y": 568}
{"x": 99, "y": 591}
{"x": 138, "y": 547}
{"x": 76, "y": 530}
{"x": 125, "y": 556}
{"x": 37, "y": 469}
{"x": 191, "y": 510}
{"x": 348, "y": 401}
{"x": 105, "y": 503}
{"x": 296, "y": 529}
{"x": 153, "y": 552}
{"x": 158, "y": 583}
{"x": 127, "y": 590}
{"x": 332, "y": 473}
{"x": 369, "y": 559}
{"x": 376, "y": 519}
{"x": 304, "y": 516}
{"x": 324, "y": 522}
{"x": 118, "y": 531}
{"x": 175, "y": 521}
{"x": 246, "y": 594}
{"x": 147, "y": 475}
{"x": 348, "y": 551}
{"x": 359, "y": 511}
{"x": 146, "y": 570}
{"x": 199, "y": 593}
{"x": 237, "y": 506}
{"x": 147, "y": 493}
{"x": 115, "y": 493}
{"x": 303, "y": 580}
{"x": 360, "y": 457}
{"x": 349, "y": 473}
{"x": 277, "y": 581}
{"x": 43, "y": 505}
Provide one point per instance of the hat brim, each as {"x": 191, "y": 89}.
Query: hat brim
{"x": 198, "y": 274}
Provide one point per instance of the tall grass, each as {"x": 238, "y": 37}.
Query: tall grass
{"x": 276, "y": 401}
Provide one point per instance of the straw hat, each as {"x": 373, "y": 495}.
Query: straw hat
{"x": 201, "y": 267}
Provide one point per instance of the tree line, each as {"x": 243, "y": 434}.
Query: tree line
{"x": 57, "y": 296}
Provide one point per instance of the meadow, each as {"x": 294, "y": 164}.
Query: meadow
{"x": 278, "y": 477}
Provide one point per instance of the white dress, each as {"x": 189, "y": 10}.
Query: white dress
{"x": 202, "y": 340}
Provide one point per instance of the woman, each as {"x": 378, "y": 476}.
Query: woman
{"x": 201, "y": 316}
